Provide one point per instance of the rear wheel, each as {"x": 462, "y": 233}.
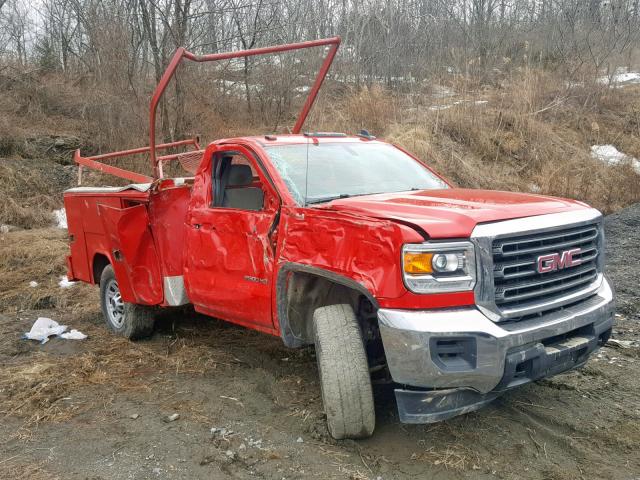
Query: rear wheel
{"x": 126, "y": 319}
{"x": 344, "y": 372}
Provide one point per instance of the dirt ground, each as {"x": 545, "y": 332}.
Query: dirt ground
{"x": 249, "y": 408}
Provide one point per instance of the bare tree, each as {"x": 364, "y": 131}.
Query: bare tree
{"x": 251, "y": 21}
{"x": 124, "y": 46}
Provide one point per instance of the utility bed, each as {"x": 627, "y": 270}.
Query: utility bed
{"x": 102, "y": 221}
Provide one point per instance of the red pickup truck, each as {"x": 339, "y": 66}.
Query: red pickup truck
{"x": 355, "y": 246}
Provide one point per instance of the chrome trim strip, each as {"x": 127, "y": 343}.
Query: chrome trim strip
{"x": 174, "y": 292}
{"x": 538, "y": 223}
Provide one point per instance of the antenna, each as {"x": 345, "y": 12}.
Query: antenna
{"x": 306, "y": 173}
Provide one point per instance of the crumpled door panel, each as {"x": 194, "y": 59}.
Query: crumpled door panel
{"x": 133, "y": 253}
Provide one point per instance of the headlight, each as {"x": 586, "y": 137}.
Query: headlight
{"x": 439, "y": 267}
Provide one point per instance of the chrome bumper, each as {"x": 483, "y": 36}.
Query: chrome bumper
{"x": 461, "y": 350}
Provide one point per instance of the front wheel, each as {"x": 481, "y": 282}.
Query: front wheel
{"x": 344, "y": 372}
{"x": 126, "y": 319}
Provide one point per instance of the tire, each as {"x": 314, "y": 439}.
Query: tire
{"x": 125, "y": 319}
{"x": 344, "y": 373}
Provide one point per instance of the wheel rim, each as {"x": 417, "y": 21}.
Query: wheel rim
{"x": 115, "y": 305}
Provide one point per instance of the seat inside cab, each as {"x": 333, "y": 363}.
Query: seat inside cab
{"x": 236, "y": 184}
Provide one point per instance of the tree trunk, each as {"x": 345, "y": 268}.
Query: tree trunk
{"x": 181, "y": 16}
{"x": 149, "y": 22}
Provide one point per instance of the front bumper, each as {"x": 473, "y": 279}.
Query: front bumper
{"x": 465, "y": 360}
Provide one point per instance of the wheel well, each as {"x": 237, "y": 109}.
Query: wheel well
{"x": 100, "y": 262}
{"x": 304, "y": 292}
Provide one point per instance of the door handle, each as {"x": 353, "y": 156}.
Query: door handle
{"x": 198, "y": 226}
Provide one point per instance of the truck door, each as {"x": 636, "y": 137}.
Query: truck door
{"x": 229, "y": 258}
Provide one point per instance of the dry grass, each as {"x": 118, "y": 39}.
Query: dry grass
{"x": 30, "y": 190}
{"x": 50, "y": 386}
{"x": 14, "y": 469}
{"x": 37, "y": 391}
{"x": 369, "y": 108}
{"x": 37, "y": 255}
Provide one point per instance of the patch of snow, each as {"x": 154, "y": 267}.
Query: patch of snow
{"x": 234, "y": 87}
{"x": 234, "y": 64}
{"x": 401, "y": 79}
{"x": 612, "y": 156}
{"x": 43, "y": 328}
{"x": 65, "y": 283}
{"x": 458, "y": 102}
{"x": 436, "y": 108}
{"x": 620, "y": 78}
{"x": 33, "y": 284}
{"x": 61, "y": 218}
{"x": 627, "y": 77}
{"x": 440, "y": 91}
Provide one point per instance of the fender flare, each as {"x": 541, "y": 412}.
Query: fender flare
{"x": 288, "y": 336}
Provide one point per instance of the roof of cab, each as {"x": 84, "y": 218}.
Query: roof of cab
{"x": 296, "y": 139}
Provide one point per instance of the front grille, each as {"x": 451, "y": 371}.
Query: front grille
{"x": 519, "y": 286}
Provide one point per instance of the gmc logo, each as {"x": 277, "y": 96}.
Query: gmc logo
{"x": 558, "y": 261}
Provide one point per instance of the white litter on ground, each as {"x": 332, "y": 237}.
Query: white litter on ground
{"x": 65, "y": 283}
{"x": 612, "y": 156}
{"x": 33, "y": 284}
{"x": 73, "y": 335}
{"x": 173, "y": 417}
{"x": 60, "y": 217}
{"x": 43, "y": 328}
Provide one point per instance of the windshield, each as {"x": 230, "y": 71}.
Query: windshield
{"x": 342, "y": 170}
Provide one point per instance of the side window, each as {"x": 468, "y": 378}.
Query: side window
{"x": 236, "y": 183}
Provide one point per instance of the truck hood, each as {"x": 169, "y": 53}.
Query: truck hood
{"x": 453, "y": 212}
